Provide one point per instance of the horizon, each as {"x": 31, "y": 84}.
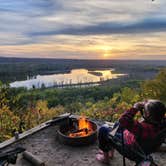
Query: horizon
{"x": 75, "y": 29}
{"x": 51, "y": 58}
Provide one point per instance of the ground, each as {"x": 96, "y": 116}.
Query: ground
{"x": 45, "y": 145}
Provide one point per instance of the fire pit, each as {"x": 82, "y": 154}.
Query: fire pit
{"x": 77, "y": 132}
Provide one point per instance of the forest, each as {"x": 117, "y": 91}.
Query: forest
{"x": 22, "y": 109}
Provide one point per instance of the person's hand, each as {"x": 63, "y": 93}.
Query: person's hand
{"x": 139, "y": 106}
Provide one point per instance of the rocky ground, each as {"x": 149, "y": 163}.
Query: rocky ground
{"x": 44, "y": 144}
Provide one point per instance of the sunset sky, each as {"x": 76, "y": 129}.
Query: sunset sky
{"x": 83, "y": 29}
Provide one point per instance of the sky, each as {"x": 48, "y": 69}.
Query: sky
{"x": 83, "y": 29}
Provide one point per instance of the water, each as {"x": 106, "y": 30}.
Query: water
{"x": 76, "y": 76}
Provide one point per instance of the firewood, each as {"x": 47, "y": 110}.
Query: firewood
{"x": 33, "y": 159}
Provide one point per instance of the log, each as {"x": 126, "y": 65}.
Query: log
{"x": 34, "y": 160}
{"x": 78, "y": 131}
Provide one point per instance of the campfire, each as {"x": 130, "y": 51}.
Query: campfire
{"x": 83, "y": 128}
{"x": 78, "y": 131}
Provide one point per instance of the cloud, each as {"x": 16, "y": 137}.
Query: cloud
{"x": 89, "y": 24}
{"x": 145, "y": 26}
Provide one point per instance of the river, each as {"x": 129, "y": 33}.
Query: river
{"x": 74, "y": 77}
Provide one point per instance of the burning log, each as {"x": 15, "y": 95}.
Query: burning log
{"x": 81, "y": 128}
{"x": 80, "y": 132}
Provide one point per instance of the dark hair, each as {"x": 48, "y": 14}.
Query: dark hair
{"x": 156, "y": 110}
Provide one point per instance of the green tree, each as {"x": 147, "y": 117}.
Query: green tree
{"x": 155, "y": 88}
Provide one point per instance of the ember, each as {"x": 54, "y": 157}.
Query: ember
{"x": 83, "y": 128}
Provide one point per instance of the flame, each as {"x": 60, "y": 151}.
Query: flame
{"x": 84, "y": 128}
{"x": 82, "y": 123}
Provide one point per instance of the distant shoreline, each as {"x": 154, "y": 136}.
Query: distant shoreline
{"x": 68, "y": 59}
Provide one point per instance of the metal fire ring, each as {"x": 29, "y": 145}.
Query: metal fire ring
{"x": 77, "y": 141}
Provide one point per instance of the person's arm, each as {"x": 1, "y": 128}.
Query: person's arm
{"x": 127, "y": 121}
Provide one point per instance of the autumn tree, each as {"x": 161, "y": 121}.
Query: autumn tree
{"x": 8, "y": 121}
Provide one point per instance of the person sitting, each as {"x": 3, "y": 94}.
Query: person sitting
{"x": 134, "y": 132}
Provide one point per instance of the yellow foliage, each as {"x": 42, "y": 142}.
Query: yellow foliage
{"x": 41, "y": 113}
{"x": 8, "y": 123}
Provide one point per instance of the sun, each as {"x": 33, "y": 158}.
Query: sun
{"x": 106, "y": 51}
{"x": 106, "y": 55}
